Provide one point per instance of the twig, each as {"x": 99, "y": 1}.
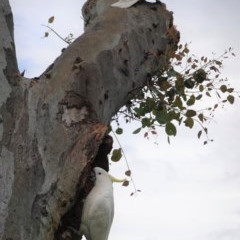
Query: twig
{"x": 125, "y": 158}
{"x": 51, "y": 29}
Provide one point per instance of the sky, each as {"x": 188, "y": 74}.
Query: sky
{"x": 189, "y": 191}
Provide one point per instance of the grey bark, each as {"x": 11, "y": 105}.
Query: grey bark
{"x": 51, "y": 127}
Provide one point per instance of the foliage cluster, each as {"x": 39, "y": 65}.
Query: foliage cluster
{"x": 175, "y": 95}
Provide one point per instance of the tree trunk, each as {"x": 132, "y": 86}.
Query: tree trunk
{"x": 51, "y": 126}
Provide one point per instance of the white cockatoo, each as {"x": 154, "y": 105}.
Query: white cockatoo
{"x": 124, "y": 3}
{"x": 98, "y": 207}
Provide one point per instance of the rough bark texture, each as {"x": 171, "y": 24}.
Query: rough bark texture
{"x": 51, "y": 128}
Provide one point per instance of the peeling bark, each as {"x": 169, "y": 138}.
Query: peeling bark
{"x": 51, "y": 128}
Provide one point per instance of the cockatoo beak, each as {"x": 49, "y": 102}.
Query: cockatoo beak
{"x": 113, "y": 179}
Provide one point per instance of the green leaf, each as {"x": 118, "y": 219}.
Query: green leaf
{"x": 109, "y": 129}
{"x": 171, "y": 73}
{"x": 189, "y": 122}
{"x": 230, "y": 98}
{"x": 191, "y": 100}
{"x": 170, "y": 129}
{"x": 116, "y": 155}
{"x": 215, "y": 69}
{"x": 46, "y": 34}
{"x": 119, "y": 131}
{"x": 206, "y": 130}
{"x": 140, "y": 111}
{"x": 208, "y": 94}
{"x": 164, "y": 86}
{"x": 201, "y": 117}
{"x": 223, "y": 88}
{"x": 178, "y": 103}
{"x": 137, "y": 131}
{"x": 189, "y": 59}
{"x": 150, "y": 104}
{"x": 218, "y": 62}
{"x": 162, "y": 116}
{"x": 199, "y": 97}
{"x": 189, "y": 83}
{"x": 191, "y": 113}
{"x": 230, "y": 90}
{"x": 125, "y": 183}
{"x": 174, "y": 115}
{"x": 200, "y": 75}
{"x": 199, "y": 134}
{"x": 179, "y": 85}
{"x": 146, "y": 122}
{"x": 201, "y": 88}
{"x": 51, "y": 19}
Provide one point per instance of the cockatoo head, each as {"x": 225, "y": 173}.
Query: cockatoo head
{"x": 101, "y": 175}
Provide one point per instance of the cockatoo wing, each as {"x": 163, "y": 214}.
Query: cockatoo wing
{"x": 101, "y": 221}
{"x": 124, "y": 3}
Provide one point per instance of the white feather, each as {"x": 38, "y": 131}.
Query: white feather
{"x": 98, "y": 208}
{"x": 124, "y": 3}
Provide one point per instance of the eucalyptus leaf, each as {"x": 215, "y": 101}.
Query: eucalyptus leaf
{"x": 116, "y": 155}
{"x": 170, "y": 129}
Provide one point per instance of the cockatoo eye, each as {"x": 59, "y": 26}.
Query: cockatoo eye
{"x": 99, "y": 173}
